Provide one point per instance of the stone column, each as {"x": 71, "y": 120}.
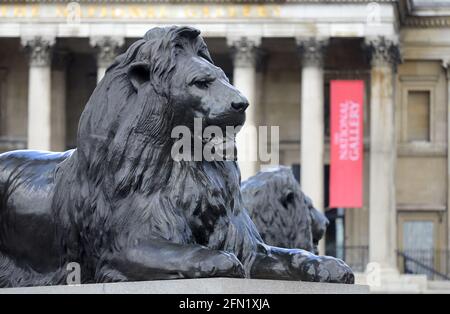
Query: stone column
{"x": 39, "y": 92}
{"x": 3, "y": 106}
{"x": 385, "y": 56}
{"x": 107, "y": 49}
{"x": 447, "y": 69}
{"x": 312, "y": 52}
{"x": 245, "y": 57}
{"x": 58, "y": 112}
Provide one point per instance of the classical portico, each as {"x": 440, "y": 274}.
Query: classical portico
{"x": 243, "y": 30}
{"x": 305, "y": 44}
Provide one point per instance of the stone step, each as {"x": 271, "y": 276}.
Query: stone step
{"x": 439, "y": 285}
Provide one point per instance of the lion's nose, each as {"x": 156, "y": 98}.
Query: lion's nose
{"x": 239, "y": 106}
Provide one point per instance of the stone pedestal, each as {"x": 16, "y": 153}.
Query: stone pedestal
{"x": 199, "y": 286}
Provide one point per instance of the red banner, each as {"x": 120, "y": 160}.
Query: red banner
{"x": 346, "y": 138}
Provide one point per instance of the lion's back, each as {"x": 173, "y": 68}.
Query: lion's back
{"x": 28, "y": 167}
{"x": 26, "y": 219}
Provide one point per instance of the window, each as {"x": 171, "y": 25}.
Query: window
{"x": 418, "y": 116}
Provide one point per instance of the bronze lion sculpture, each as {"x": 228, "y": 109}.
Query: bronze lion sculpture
{"x": 282, "y": 213}
{"x": 121, "y": 206}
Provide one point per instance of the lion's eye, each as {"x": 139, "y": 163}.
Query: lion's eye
{"x": 203, "y": 84}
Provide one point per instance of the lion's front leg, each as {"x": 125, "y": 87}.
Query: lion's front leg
{"x": 267, "y": 262}
{"x": 160, "y": 259}
{"x": 295, "y": 264}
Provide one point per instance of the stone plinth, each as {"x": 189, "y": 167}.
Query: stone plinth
{"x": 198, "y": 286}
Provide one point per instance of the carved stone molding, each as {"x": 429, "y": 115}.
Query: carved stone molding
{"x": 312, "y": 50}
{"x": 409, "y": 18}
{"x": 39, "y": 50}
{"x": 246, "y": 51}
{"x": 107, "y": 49}
{"x": 383, "y": 51}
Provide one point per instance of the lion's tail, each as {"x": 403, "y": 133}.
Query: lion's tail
{"x": 12, "y": 275}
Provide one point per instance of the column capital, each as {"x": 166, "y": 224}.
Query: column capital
{"x": 312, "y": 50}
{"x": 246, "y": 51}
{"x": 383, "y": 51}
{"x": 39, "y": 49}
{"x": 107, "y": 48}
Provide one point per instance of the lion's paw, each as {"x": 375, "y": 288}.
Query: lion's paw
{"x": 225, "y": 264}
{"x": 326, "y": 269}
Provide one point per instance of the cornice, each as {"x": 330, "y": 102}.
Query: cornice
{"x": 427, "y": 22}
{"x": 403, "y": 7}
{"x": 410, "y": 20}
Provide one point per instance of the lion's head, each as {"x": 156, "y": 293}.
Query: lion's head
{"x": 283, "y": 214}
{"x": 164, "y": 80}
{"x": 169, "y": 72}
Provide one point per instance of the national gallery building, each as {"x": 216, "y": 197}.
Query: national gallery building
{"x": 282, "y": 55}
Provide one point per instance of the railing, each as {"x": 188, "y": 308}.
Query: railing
{"x": 435, "y": 264}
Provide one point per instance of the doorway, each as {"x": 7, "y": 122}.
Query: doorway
{"x": 421, "y": 243}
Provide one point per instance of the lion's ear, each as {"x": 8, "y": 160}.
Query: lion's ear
{"x": 288, "y": 198}
{"x": 139, "y": 73}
